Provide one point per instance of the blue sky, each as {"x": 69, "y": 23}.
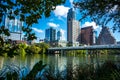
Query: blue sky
{"x": 58, "y": 21}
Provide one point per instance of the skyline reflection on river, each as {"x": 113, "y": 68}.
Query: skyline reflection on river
{"x": 57, "y": 61}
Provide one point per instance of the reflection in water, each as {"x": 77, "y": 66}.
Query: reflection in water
{"x": 1, "y": 62}
{"x": 57, "y": 61}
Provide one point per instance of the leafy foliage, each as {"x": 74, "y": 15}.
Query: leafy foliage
{"x": 100, "y": 11}
{"x": 37, "y": 68}
{"x": 12, "y": 50}
{"x": 22, "y": 49}
{"x": 43, "y": 47}
{"x": 107, "y": 71}
{"x": 12, "y": 72}
{"x": 32, "y": 49}
{"x": 117, "y": 51}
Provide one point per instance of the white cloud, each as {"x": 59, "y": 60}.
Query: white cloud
{"x": 62, "y": 31}
{"x": 51, "y": 24}
{"x": 71, "y": 1}
{"x": 61, "y": 11}
{"x": 63, "y": 34}
{"x": 38, "y": 30}
{"x": 95, "y": 26}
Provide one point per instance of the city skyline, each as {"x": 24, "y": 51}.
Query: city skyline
{"x": 58, "y": 20}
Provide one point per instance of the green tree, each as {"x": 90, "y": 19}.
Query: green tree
{"x": 100, "y": 11}
{"x": 43, "y": 47}
{"x": 29, "y": 11}
{"x": 32, "y": 49}
{"x": 69, "y": 44}
{"x": 21, "y": 49}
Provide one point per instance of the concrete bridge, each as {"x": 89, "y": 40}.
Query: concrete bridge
{"x": 92, "y": 47}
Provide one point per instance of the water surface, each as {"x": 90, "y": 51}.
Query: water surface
{"x": 57, "y": 61}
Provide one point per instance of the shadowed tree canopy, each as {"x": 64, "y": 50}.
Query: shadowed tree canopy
{"x": 29, "y": 11}
{"x": 102, "y": 12}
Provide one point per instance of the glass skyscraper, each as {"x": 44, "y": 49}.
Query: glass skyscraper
{"x": 50, "y": 34}
{"x": 59, "y": 35}
{"x": 14, "y": 27}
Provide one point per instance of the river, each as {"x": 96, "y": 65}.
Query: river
{"x": 57, "y": 61}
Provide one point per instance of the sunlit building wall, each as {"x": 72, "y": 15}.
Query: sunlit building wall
{"x": 59, "y": 35}
{"x": 73, "y": 29}
{"x": 50, "y": 34}
{"x": 14, "y": 27}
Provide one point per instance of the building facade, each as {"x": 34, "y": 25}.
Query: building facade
{"x": 118, "y": 42}
{"x": 105, "y": 37}
{"x": 50, "y": 38}
{"x": 60, "y": 42}
{"x": 59, "y": 35}
{"x": 50, "y": 34}
{"x": 15, "y": 28}
{"x": 87, "y": 36}
{"x": 73, "y": 29}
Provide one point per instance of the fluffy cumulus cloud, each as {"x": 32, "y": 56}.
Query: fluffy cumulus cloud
{"x": 51, "y": 24}
{"x": 38, "y": 30}
{"x": 95, "y": 26}
{"x": 71, "y": 2}
{"x": 63, "y": 34}
{"x": 61, "y": 11}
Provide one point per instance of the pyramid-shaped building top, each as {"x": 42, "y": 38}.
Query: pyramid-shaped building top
{"x": 105, "y": 37}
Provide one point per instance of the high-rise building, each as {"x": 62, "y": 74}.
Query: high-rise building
{"x": 14, "y": 27}
{"x": 59, "y": 35}
{"x": 105, "y": 37}
{"x": 60, "y": 42}
{"x": 73, "y": 29}
{"x": 50, "y": 34}
{"x": 88, "y": 36}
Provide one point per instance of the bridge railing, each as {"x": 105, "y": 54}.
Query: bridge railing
{"x": 112, "y": 46}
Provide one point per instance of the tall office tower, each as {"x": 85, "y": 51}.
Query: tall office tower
{"x": 105, "y": 37}
{"x": 60, "y": 39}
{"x": 14, "y": 26}
{"x": 87, "y": 36}
{"x": 59, "y": 35}
{"x": 73, "y": 29}
{"x": 50, "y": 34}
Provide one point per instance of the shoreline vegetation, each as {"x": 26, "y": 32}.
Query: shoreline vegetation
{"x": 23, "y": 49}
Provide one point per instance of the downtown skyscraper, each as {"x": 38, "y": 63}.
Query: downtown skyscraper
{"x": 59, "y": 35}
{"x": 14, "y": 26}
{"x": 73, "y": 29}
{"x": 50, "y": 34}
